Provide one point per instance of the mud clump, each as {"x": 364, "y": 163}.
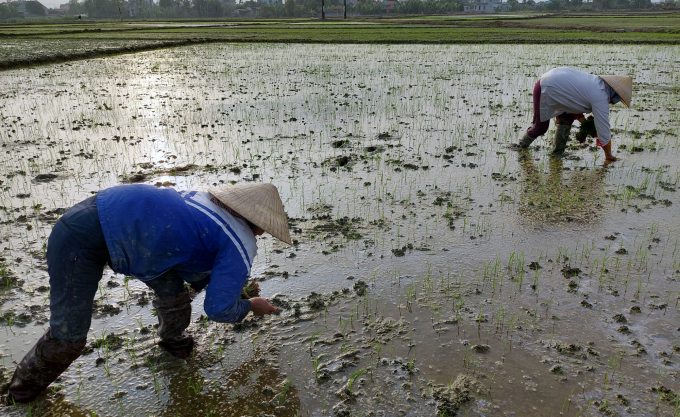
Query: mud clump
{"x": 604, "y": 408}
{"x": 135, "y": 178}
{"x": 360, "y": 288}
{"x": 343, "y": 160}
{"x": 373, "y": 148}
{"x": 623, "y": 329}
{"x": 44, "y": 177}
{"x": 339, "y": 161}
{"x": 572, "y": 286}
{"x": 345, "y": 226}
{"x": 569, "y": 349}
{"x": 657, "y": 306}
{"x": 480, "y": 348}
{"x": 9, "y": 279}
{"x": 664, "y": 394}
{"x": 341, "y": 410}
{"x": 279, "y": 301}
{"x": 451, "y": 398}
{"x": 5, "y": 378}
{"x": 556, "y": 369}
{"x": 51, "y": 216}
{"x": 620, "y": 318}
{"x": 316, "y": 301}
{"x": 399, "y": 252}
{"x": 340, "y": 363}
{"x": 102, "y": 310}
{"x": 635, "y": 310}
{"x": 347, "y": 393}
{"x": 250, "y": 322}
{"x": 592, "y": 352}
{"x": 386, "y": 326}
{"x": 10, "y": 318}
{"x": 534, "y": 266}
{"x": 569, "y": 272}
{"x": 622, "y": 399}
{"x": 586, "y": 304}
{"x": 340, "y": 143}
{"x": 112, "y": 341}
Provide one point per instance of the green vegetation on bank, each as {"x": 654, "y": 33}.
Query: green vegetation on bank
{"x": 28, "y": 44}
{"x": 390, "y": 33}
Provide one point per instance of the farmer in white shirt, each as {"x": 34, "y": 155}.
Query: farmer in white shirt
{"x": 566, "y": 94}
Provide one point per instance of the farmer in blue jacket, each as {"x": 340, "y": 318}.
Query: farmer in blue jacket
{"x": 165, "y": 238}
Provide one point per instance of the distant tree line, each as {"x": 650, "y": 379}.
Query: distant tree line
{"x": 557, "y": 5}
{"x": 216, "y": 8}
{"x": 429, "y": 6}
{"x": 9, "y": 11}
{"x": 148, "y": 9}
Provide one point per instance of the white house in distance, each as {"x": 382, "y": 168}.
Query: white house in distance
{"x": 486, "y": 6}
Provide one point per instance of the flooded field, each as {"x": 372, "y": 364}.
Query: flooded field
{"x": 434, "y": 271}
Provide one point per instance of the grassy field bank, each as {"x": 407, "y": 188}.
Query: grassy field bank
{"x": 31, "y": 44}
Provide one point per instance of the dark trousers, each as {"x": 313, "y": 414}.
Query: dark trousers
{"x": 538, "y": 128}
{"x": 76, "y": 256}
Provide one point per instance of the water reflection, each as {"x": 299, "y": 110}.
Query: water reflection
{"x": 255, "y": 387}
{"x": 202, "y": 386}
{"x": 558, "y": 192}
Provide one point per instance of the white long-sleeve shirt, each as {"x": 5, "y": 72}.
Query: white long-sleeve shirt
{"x": 565, "y": 90}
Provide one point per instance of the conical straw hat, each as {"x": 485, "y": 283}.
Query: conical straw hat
{"x": 260, "y": 204}
{"x": 622, "y": 85}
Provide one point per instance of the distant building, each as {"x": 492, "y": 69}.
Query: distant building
{"x": 31, "y": 8}
{"x": 247, "y": 12}
{"x": 64, "y": 7}
{"x": 486, "y": 6}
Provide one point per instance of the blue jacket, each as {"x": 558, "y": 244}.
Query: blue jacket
{"x": 149, "y": 230}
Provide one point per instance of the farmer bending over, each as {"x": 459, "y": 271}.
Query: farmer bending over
{"x": 165, "y": 238}
{"x": 566, "y": 94}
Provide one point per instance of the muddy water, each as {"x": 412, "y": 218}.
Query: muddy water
{"x": 451, "y": 274}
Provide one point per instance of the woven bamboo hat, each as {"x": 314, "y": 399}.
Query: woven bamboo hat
{"x": 259, "y": 203}
{"x": 622, "y": 85}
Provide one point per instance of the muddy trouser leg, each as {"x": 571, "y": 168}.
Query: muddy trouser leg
{"x": 173, "y": 305}
{"x": 538, "y": 128}
{"x": 76, "y": 255}
{"x": 46, "y": 360}
{"x": 563, "y": 123}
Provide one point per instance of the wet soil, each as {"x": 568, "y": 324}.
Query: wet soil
{"x": 433, "y": 271}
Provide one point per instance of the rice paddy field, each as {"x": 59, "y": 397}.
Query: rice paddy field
{"x": 434, "y": 271}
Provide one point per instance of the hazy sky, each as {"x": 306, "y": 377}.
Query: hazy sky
{"x": 52, "y": 4}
